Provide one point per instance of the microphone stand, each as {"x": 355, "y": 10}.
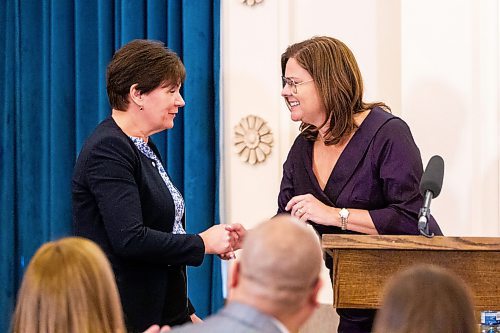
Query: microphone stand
{"x": 424, "y": 215}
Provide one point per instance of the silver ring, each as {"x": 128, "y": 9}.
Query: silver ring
{"x": 299, "y": 211}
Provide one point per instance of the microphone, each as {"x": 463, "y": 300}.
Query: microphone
{"x": 430, "y": 187}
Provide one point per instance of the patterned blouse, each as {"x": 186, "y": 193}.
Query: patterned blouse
{"x": 176, "y": 195}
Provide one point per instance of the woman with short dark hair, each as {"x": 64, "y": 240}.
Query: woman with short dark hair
{"x": 124, "y": 200}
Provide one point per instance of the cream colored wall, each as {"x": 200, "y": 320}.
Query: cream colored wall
{"x": 450, "y": 98}
{"x": 435, "y": 63}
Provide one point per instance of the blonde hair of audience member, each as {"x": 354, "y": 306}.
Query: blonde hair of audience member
{"x": 279, "y": 270}
{"x": 426, "y": 299}
{"x": 68, "y": 287}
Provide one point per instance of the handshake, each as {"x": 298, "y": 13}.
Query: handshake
{"x": 223, "y": 239}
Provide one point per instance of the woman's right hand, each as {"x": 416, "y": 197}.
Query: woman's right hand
{"x": 218, "y": 239}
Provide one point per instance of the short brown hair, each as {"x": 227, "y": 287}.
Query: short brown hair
{"x": 338, "y": 79}
{"x": 146, "y": 62}
{"x": 68, "y": 287}
{"x": 426, "y": 298}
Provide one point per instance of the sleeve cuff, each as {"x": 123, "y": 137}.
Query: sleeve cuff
{"x": 191, "y": 309}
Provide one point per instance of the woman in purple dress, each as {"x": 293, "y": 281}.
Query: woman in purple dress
{"x": 355, "y": 167}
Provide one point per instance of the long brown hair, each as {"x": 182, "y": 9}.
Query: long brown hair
{"x": 426, "y": 299}
{"x": 337, "y": 77}
{"x": 68, "y": 287}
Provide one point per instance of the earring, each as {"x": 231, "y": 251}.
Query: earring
{"x": 140, "y": 109}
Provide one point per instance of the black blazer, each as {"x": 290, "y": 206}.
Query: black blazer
{"x": 121, "y": 202}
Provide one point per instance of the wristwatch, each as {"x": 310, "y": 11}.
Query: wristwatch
{"x": 344, "y": 214}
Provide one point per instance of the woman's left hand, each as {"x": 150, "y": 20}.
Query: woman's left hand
{"x": 157, "y": 329}
{"x": 195, "y": 319}
{"x": 307, "y": 208}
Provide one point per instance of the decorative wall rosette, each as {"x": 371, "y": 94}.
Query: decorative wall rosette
{"x": 253, "y": 139}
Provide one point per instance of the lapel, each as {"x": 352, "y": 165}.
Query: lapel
{"x": 350, "y": 157}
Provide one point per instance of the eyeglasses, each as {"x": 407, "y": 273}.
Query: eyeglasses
{"x": 293, "y": 85}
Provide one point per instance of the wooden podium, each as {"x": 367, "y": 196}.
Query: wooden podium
{"x": 362, "y": 264}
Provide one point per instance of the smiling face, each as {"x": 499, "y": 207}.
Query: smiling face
{"x": 160, "y": 106}
{"x": 305, "y": 104}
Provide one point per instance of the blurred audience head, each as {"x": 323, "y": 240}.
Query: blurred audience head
{"x": 425, "y": 299}
{"x": 279, "y": 269}
{"x": 68, "y": 287}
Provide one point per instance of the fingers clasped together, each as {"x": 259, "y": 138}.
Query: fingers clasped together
{"x": 307, "y": 208}
{"x": 223, "y": 239}
{"x": 236, "y": 235}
